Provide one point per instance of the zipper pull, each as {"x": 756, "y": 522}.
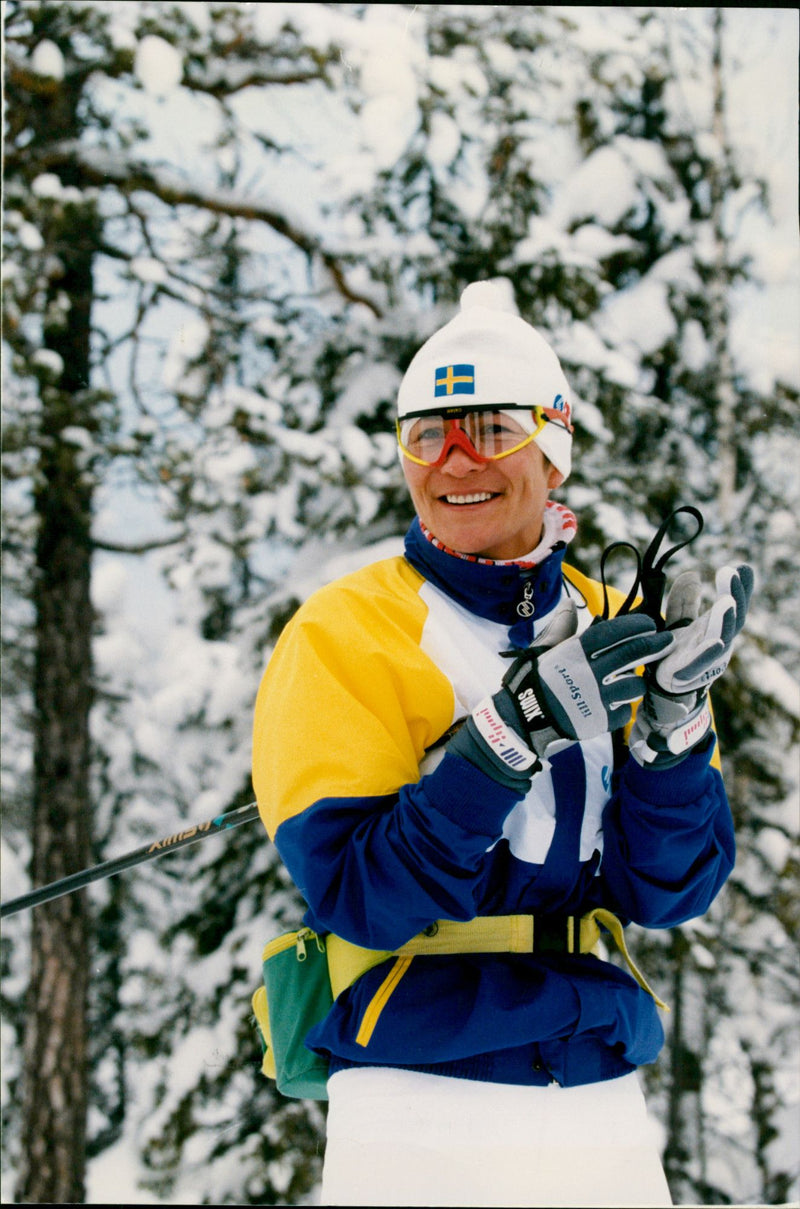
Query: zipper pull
{"x": 300, "y": 943}
{"x": 526, "y": 607}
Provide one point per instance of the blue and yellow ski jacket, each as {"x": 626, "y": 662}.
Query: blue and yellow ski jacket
{"x": 385, "y": 831}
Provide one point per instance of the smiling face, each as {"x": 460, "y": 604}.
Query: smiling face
{"x": 493, "y": 509}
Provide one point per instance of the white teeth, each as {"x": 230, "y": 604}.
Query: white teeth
{"x": 477, "y": 498}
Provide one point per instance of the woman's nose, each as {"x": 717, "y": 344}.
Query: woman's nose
{"x": 459, "y": 462}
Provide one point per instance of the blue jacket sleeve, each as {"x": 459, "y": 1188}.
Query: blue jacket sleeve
{"x": 378, "y": 870}
{"x": 668, "y": 842}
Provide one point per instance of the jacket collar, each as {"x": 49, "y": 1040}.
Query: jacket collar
{"x": 514, "y": 594}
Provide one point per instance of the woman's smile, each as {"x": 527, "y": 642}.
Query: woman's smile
{"x": 493, "y": 509}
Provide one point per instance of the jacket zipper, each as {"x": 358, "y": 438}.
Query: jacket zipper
{"x": 298, "y": 940}
{"x": 380, "y": 999}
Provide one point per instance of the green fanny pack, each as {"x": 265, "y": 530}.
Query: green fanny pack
{"x": 304, "y": 973}
{"x": 295, "y": 995}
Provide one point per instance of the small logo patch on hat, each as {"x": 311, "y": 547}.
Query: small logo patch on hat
{"x": 561, "y": 404}
{"x": 454, "y": 380}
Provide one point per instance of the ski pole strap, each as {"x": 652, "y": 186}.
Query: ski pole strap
{"x": 538, "y": 934}
{"x": 650, "y": 577}
{"x": 653, "y": 575}
{"x": 633, "y": 595}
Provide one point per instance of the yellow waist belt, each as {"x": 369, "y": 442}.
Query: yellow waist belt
{"x": 488, "y": 934}
{"x": 303, "y": 973}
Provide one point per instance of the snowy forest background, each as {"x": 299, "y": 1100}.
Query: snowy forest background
{"x": 227, "y": 227}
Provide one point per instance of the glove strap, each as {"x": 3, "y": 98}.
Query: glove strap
{"x": 683, "y": 738}
{"x": 664, "y": 751}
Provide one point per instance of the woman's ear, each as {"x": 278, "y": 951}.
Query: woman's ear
{"x": 554, "y": 478}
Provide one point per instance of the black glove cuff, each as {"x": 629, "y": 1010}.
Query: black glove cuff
{"x": 494, "y": 748}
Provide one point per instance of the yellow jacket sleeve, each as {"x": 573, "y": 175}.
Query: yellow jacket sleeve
{"x": 349, "y": 701}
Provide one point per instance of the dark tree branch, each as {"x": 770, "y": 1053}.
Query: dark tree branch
{"x": 138, "y": 547}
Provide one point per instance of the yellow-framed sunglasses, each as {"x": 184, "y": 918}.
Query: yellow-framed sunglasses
{"x": 486, "y": 434}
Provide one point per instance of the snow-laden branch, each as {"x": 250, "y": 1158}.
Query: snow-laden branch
{"x": 139, "y": 547}
{"x": 228, "y": 78}
{"x": 101, "y": 168}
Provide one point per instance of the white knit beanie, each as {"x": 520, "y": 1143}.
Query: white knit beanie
{"x": 488, "y": 356}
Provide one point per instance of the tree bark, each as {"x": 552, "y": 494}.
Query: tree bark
{"x": 56, "y": 1068}
{"x": 719, "y": 181}
{"x": 55, "y": 1046}
{"x": 676, "y": 1154}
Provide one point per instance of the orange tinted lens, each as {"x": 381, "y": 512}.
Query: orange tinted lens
{"x": 490, "y": 433}
{"x": 493, "y": 432}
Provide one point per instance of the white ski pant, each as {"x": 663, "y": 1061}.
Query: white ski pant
{"x": 398, "y": 1137}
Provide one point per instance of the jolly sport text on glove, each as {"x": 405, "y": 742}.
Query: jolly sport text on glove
{"x": 580, "y": 688}
{"x": 674, "y": 715}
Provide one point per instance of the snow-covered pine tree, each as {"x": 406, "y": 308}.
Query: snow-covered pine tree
{"x": 54, "y": 430}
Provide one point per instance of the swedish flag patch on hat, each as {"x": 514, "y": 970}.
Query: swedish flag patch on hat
{"x": 454, "y": 380}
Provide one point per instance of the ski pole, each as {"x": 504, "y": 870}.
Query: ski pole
{"x": 75, "y": 881}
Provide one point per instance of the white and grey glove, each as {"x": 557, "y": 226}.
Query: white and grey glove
{"x": 674, "y": 715}
{"x": 577, "y": 689}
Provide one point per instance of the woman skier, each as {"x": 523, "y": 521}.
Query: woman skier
{"x": 443, "y": 750}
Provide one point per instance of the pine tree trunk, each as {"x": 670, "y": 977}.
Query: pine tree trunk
{"x": 676, "y": 1155}
{"x": 719, "y": 178}
{"x": 55, "y": 1074}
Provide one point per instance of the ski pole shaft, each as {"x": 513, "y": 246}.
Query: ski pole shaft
{"x": 76, "y": 881}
